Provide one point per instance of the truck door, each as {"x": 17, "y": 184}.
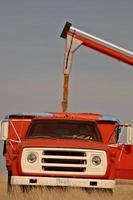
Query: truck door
{"x": 123, "y": 152}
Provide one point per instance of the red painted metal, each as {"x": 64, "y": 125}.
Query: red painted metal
{"x": 118, "y": 156}
{"x": 103, "y": 49}
{"x": 13, "y": 155}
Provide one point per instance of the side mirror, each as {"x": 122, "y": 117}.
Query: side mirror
{"x": 126, "y": 136}
{"x": 130, "y": 135}
{"x": 4, "y": 124}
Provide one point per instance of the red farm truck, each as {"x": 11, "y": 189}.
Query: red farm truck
{"x": 66, "y": 149}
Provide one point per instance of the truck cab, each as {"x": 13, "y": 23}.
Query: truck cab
{"x": 57, "y": 149}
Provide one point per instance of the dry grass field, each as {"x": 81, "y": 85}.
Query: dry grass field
{"x": 123, "y": 191}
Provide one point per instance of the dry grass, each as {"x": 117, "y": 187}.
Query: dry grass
{"x": 122, "y": 191}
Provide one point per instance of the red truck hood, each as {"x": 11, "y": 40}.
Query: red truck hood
{"x": 62, "y": 143}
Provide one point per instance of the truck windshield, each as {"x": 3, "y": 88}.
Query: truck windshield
{"x": 59, "y": 129}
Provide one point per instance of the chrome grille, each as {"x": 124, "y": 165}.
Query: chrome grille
{"x": 64, "y": 160}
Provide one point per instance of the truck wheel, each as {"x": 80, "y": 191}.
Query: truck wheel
{"x": 9, "y": 186}
{"x": 25, "y": 188}
{"x": 107, "y": 192}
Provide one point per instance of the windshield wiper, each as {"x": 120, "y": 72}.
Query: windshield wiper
{"x": 83, "y": 137}
{"x": 43, "y": 136}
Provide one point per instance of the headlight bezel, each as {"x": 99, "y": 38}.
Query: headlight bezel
{"x": 96, "y": 160}
{"x": 32, "y": 157}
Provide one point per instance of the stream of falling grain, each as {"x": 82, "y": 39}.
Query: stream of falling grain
{"x": 64, "y": 102}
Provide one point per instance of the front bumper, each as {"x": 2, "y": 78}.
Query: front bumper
{"x": 57, "y": 181}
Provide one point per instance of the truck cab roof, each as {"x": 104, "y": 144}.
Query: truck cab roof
{"x": 61, "y": 115}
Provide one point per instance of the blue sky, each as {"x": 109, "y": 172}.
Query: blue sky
{"x": 32, "y": 52}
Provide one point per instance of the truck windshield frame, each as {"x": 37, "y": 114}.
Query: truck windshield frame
{"x": 64, "y": 129}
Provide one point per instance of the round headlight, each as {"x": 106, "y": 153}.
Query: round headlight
{"x": 32, "y": 158}
{"x": 96, "y": 160}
